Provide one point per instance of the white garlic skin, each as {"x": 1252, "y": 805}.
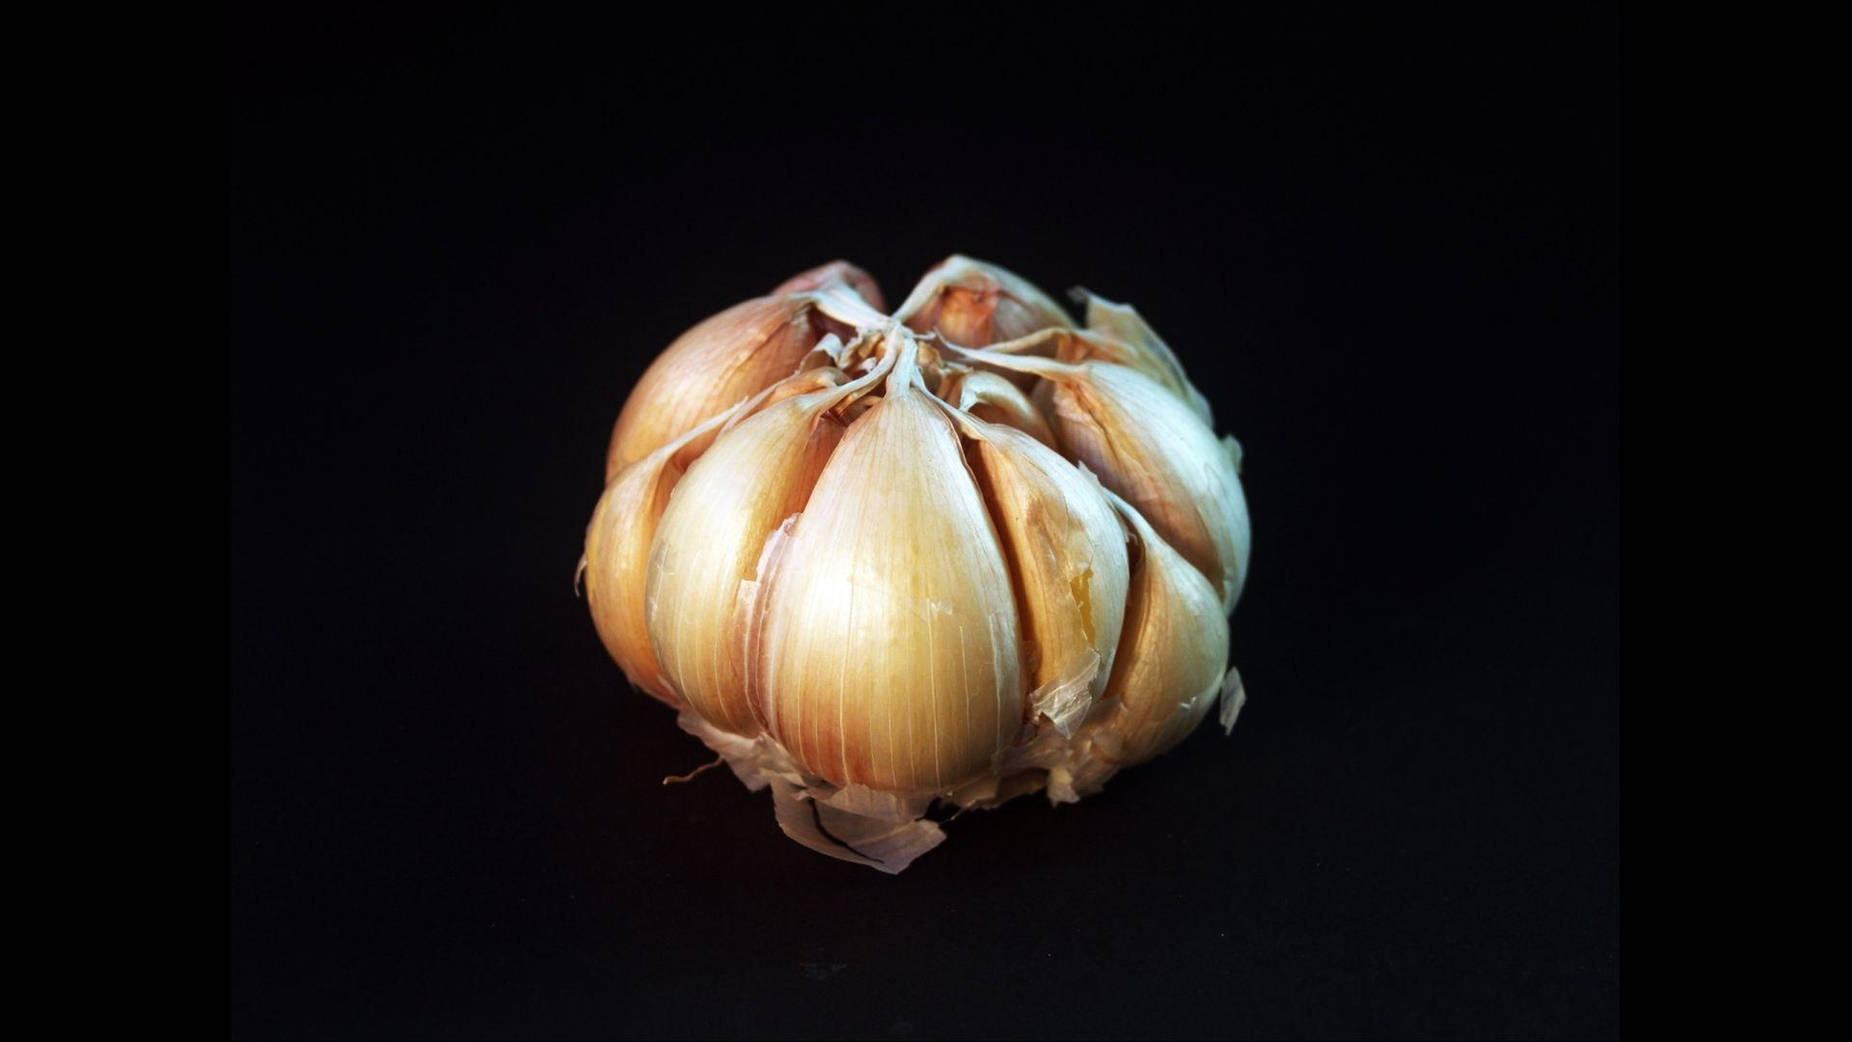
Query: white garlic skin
{"x": 888, "y": 655}
{"x": 938, "y": 572}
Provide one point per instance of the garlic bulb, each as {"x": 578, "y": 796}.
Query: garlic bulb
{"x": 952, "y": 556}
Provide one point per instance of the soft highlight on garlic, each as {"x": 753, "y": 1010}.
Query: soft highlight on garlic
{"x": 940, "y": 558}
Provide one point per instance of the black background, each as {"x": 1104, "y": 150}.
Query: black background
{"x": 1386, "y": 248}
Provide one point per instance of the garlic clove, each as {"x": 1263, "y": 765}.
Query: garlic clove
{"x": 615, "y": 565}
{"x": 1173, "y": 653}
{"x": 885, "y": 645}
{"x": 617, "y": 547}
{"x": 1066, "y": 551}
{"x": 709, "y": 541}
{"x": 722, "y": 360}
{"x": 1149, "y": 447}
{"x": 974, "y": 304}
{"x": 836, "y": 273}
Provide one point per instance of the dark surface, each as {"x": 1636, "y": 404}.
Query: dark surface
{"x": 1387, "y": 251}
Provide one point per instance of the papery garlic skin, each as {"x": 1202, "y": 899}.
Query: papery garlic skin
{"x": 888, "y": 654}
{"x": 949, "y": 556}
